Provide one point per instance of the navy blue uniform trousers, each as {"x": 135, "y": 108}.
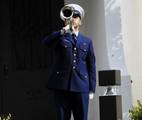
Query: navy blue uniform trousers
{"x": 71, "y": 102}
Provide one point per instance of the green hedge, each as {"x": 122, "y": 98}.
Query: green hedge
{"x": 5, "y": 117}
{"x": 136, "y": 111}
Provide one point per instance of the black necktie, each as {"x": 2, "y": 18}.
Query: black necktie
{"x": 74, "y": 38}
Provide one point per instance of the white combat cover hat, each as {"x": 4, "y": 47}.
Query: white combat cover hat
{"x": 77, "y": 8}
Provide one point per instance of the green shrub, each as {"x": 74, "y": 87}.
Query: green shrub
{"x": 136, "y": 111}
{"x": 5, "y": 117}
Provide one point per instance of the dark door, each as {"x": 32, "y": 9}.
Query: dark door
{"x": 24, "y": 62}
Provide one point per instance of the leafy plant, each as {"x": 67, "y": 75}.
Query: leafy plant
{"x": 5, "y": 117}
{"x": 136, "y": 111}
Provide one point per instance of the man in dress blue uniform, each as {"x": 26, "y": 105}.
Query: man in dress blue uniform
{"x": 73, "y": 77}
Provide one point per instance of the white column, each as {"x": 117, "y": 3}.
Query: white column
{"x": 116, "y": 54}
{"x": 132, "y": 29}
{"x": 114, "y": 35}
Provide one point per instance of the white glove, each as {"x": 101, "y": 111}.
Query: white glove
{"x": 66, "y": 29}
{"x": 91, "y": 95}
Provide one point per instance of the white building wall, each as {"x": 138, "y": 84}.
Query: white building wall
{"x": 132, "y": 29}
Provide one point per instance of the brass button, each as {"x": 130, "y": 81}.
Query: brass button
{"x": 57, "y": 72}
{"x": 73, "y": 67}
{"x": 85, "y": 76}
{"x": 74, "y": 61}
{"x": 85, "y": 50}
{"x": 74, "y": 54}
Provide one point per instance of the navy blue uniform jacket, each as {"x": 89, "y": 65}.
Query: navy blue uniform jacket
{"x": 73, "y": 66}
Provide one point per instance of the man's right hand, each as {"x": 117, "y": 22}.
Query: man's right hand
{"x": 66, "y": 29}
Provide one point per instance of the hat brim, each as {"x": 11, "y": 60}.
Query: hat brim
{"x": 76, "y": 14}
